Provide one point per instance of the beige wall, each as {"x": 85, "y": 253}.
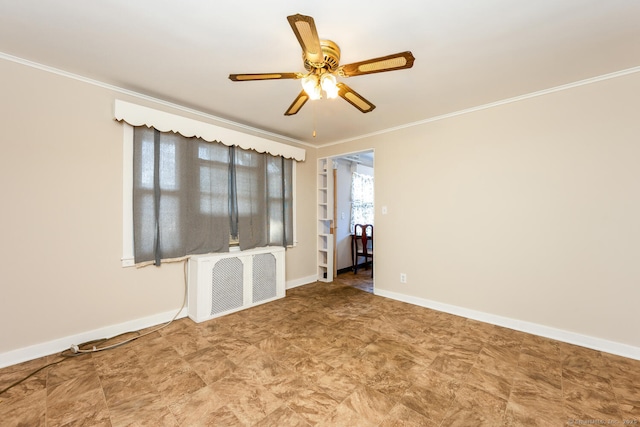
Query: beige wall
{"x": 529, "y": 210}
{"x": 301, "y": 260}
{"x": 61, "y": 216}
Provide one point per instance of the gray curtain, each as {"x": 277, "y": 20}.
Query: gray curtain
{"x": 180, "y": 196}
{"x": 251, "y": 193}
{"x": 264, "y": 199}
{"x": 191, "y": 196}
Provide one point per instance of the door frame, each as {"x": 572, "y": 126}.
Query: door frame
{"x": 332, "y": 194}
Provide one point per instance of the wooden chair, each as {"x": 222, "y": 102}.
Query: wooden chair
{"x": 362, "y": 245}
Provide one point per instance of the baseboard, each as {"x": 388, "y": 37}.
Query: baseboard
{"x": 587, "y": 341}
{"x": 44, "y": 349}
{"x": 20, "y": 355}
{"x": 349, "y": 269}
{"x": 290, "y": 284}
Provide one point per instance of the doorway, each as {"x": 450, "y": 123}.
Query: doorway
{"x": 357, "y": 166}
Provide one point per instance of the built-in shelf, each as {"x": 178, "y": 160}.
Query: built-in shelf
{"x": 325, "y": 222}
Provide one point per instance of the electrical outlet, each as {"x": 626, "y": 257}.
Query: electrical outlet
{"x": 403, "y": 277}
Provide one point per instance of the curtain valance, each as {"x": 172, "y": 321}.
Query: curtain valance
{"x": 137, "y": 115}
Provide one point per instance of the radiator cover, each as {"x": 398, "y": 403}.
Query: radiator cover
{"x": 220, "y": 284}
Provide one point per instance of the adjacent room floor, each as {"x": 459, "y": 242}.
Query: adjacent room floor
{"x": 362, "y": 280}
{"x": 329, "y": 355}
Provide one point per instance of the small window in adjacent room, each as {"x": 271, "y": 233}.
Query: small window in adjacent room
{"x": 361, "y": 199}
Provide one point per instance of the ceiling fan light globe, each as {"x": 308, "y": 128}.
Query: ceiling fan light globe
{"x": 311, "y": 86}
{"x": 316, "y": 93}
{"x": 332, "y": 93}
{"x": 328, "y": 82}
{"x": 309, "y": 81}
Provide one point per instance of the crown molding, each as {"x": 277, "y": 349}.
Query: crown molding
{"x": 234, "y": 125}
{"x": 272, "y": 135}
{"x": 518, "y": 98}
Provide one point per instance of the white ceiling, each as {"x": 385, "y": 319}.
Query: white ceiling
{"x": 468, "y": 53}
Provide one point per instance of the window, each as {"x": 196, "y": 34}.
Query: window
{"x": 196, "y": 177}
{"x": 191, "y": 196}
{"x": 361, "y": 199}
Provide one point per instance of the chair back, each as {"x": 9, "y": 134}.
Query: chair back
{"x": 365, "y": 234}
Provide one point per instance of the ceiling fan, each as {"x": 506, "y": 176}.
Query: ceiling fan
{"x": 322, "y": 62}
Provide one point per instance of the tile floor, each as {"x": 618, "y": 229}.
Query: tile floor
{"x": 329, "y": 355}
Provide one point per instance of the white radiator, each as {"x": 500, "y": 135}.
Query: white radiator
{"x": 220, "y": 284}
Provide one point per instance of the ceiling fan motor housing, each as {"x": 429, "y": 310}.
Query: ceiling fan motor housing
{"x": 331, "y": 54}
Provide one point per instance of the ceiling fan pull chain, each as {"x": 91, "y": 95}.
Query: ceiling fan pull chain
{"x": 315, "y": 120}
